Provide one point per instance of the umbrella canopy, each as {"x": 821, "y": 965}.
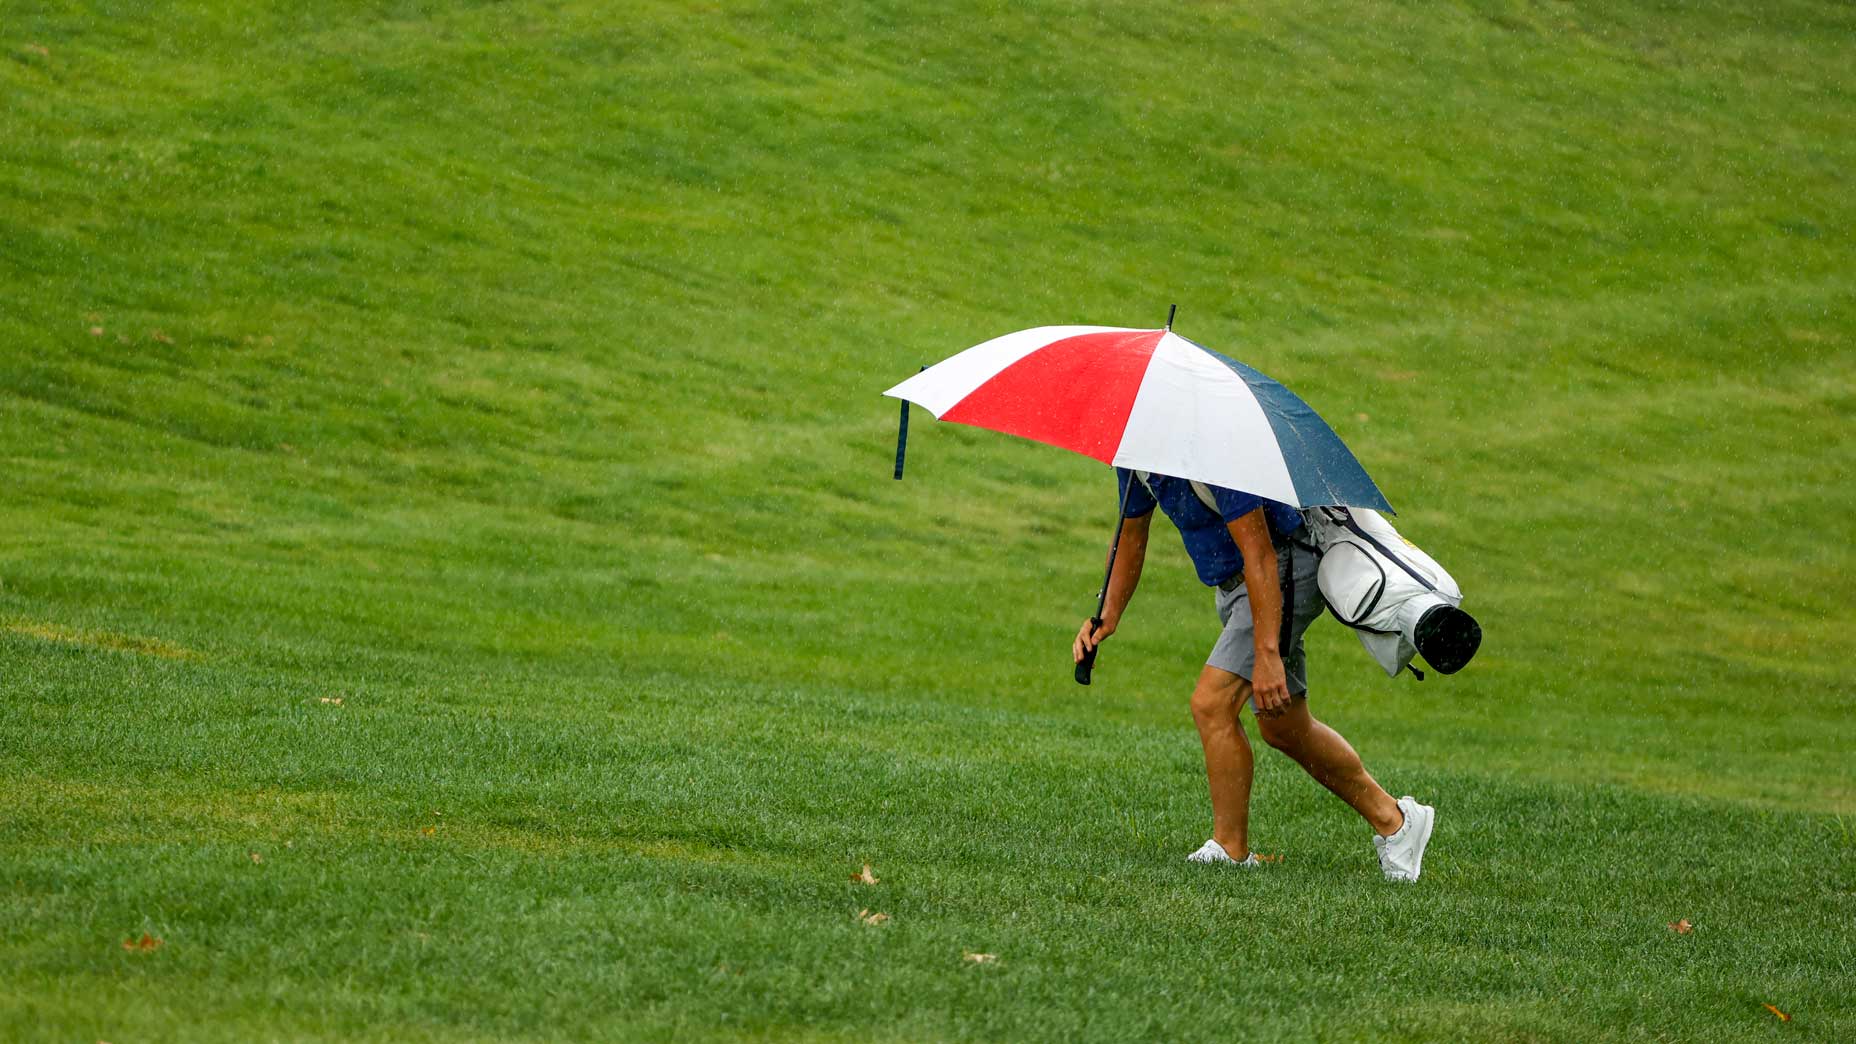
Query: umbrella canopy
{"x": 1148, "y": 400}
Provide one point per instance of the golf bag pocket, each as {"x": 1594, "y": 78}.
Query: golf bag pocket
{"x": 1352, "y": 582}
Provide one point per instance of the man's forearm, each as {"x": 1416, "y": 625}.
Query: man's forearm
{"x": 1260, "y": 582}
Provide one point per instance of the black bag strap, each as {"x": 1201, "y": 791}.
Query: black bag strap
{"x": 1345, "y": 518}
{"x": 1288, "y": 600}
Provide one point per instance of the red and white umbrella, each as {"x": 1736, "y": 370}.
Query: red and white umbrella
{"x": 1148, "y": 400}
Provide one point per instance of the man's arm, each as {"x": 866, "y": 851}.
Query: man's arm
{"x": 1269, "y": 683}
{"x": 1131, "y": 553}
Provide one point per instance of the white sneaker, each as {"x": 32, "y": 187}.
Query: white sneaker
{"x": 1401, "y": 856}
{"x": 1213, "y": 852}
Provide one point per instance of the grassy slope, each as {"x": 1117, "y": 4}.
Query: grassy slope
{"x": 515, "y": 381}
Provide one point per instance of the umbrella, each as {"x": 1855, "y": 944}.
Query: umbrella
{"x": 1146, "y": 400}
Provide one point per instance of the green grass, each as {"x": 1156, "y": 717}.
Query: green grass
{"x": 510, "y": 371}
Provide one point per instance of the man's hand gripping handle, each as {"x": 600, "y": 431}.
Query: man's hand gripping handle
{"x": 1089, "y": 644}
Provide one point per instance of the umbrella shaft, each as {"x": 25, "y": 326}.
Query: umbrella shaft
{"x": 902, "y": 437}
{"x": 1114, "y": 545}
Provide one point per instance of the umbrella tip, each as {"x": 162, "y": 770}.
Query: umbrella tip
{"x": 1171, "y": 309}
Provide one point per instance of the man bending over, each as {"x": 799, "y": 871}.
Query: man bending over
{"x": 1240, "y": 544}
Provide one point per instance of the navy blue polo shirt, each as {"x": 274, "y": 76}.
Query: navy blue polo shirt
{"x": 1214, "y": 553}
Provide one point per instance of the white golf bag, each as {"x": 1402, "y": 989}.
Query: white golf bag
{"x": 1394, "y": 596}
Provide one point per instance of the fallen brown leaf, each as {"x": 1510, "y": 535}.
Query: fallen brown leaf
{"x": 39, "y": 49}
{"x": 157, "y": 335}
{"x": 336, "y": 700}
{"x": 96, "y": 331}
{"x": 1681, "y": 927}
{"x": 256, "y": 858}
{"x": 980, "y": 958}
{"x": 864, "y": 878}
{"x": 871, "y": 918}
{"x": 1782, "y": 1016}
{"x": 429, "y": 831}
{"x": 143, "y": 945}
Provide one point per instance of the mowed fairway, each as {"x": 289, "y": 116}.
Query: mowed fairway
{"x": 452, "y": 586}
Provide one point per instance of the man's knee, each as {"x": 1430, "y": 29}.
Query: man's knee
{"x": 1215, "y": 700}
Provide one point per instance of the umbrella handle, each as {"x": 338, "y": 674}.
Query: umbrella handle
{"x": 1089, "y": 655}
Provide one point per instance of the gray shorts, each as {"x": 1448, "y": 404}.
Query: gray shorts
{"x": 1236, "y": 650}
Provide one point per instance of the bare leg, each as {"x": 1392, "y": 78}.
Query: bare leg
{"x": 1228, "y": 763}
{"x": 1327, "y": 756}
